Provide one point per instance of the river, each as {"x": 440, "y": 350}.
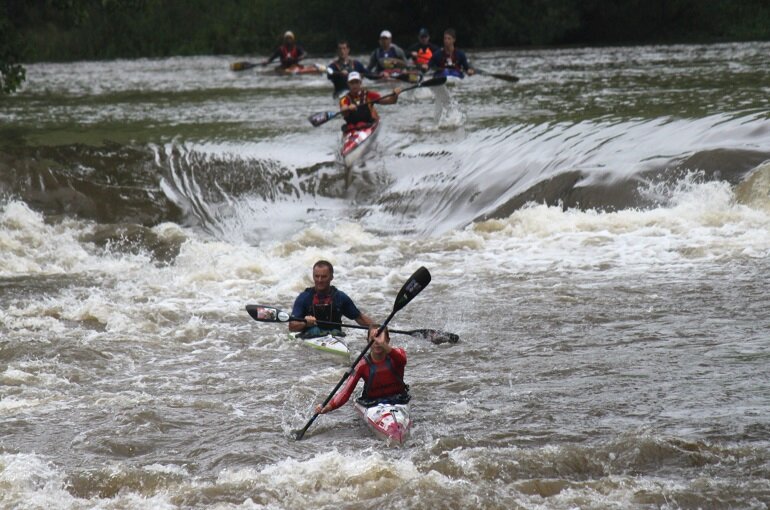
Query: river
{"x": 598, "y": 236}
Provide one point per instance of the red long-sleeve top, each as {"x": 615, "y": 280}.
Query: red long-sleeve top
{"x": 386, "y": 382}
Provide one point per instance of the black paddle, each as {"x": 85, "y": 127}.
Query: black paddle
{"x": 506, "y": 77}
{"x": 418, "y": 281}
{"x": 405, "y": 76}
{"x": 402, "y": 76}
{"x": 323, "y": 117}
{"x": 271, "y": 314}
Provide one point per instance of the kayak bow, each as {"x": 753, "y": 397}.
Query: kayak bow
{"x": 389, "y": 422}
{"x": 357, "y": 142}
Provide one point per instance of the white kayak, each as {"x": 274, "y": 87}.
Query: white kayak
{"x": 389, "y": 422}
{"x": 327, "y": 344}
{"x": 357, "y": 142}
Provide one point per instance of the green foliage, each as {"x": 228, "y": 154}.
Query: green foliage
{"x": 99, "y": 29}
{"x": 12, "y": 73}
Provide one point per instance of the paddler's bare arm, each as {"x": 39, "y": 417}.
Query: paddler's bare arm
{"x": 296, "y": 326}
{"x": 364, "y": 320}
{"x": 391, "y": 99}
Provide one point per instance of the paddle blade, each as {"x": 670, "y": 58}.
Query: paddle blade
{"x": 321, "y": 118}
{"x": 506, "y": 77}
{"x": 434, "y": 336}
{"x": 267, "y": 313}
{"x": 242, "y": 66}
{"x": 413, "y": 286}
{"x": 439, "y": 80}
{"x": 300, "y": 433}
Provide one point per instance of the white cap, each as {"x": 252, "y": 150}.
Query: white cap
{"x": 355, "y": 75}
{"x": 288, "y": 33}
{"x": 386, "y": 33}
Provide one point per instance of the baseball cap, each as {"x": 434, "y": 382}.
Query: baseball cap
{"x": 423, "y": 31}
{"x": 355, "y": 75}
{"x": 386, "y": 34}
{"x": 288, "y": 33}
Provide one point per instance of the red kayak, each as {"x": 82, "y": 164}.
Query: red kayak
{"x": 389, "y": 422}
{"x": 357, "y": 142}
{"x": 302, "y": 69}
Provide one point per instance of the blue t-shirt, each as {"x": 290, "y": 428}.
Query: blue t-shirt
{"x": 340, "y": 80}
{"x": 304, "y": 303}
{"x": 441, "y": 60}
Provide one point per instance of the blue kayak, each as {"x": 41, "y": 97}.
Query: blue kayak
{"x": 449, "y": 73}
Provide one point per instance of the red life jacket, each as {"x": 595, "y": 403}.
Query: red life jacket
{"x": 289, "y": 56}
{"x": 450, "y": 61}
{"x": 383, "y": 381}
{"x": 366, "y": 115}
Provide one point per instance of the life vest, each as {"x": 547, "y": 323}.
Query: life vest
{"x": 366, "y": 115}
{"x": 344, "y": 66}
{"x": 382, "y": 383}
{"x": 450, "y": 61}
{"x": 389, "y": 59}
{"x": 323, "y": 308}
{"x": 423, "y": 55}
{"x": 289, "y": 56}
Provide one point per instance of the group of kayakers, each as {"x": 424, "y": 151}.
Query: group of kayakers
{"x": 382, "y": 370}
{"x": 424, "y": 56}
{"x": 388, "y": 60}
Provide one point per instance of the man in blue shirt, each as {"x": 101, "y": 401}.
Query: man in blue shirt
{"x": 323, "y": 302}
{"x": 338, "y": 70}
{"x": 449, "y": 61}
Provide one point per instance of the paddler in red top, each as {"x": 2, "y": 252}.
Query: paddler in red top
{"x": 289, "y": 52}
{"x": 383, "y": 373}
{"x": 357, "y": 106}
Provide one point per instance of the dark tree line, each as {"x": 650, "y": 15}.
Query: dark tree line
{"x": 61, "y": 30}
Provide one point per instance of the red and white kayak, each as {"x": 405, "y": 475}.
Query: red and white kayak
{"x": 301, "y": 69}
{"x": 357, "y": 142}
{"x": 389, "y": 422}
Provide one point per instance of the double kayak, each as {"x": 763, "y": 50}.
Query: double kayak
{"x": 357, "y": 142}
{"x": 389, "y": 421}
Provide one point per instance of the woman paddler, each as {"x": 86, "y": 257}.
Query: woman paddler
{"x": 382, "y": 370}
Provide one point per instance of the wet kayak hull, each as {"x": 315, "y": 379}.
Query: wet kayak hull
{"x": 389, "y": 422}
{"x": 329, "y": 344}
{"x": 356, "y": 143}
